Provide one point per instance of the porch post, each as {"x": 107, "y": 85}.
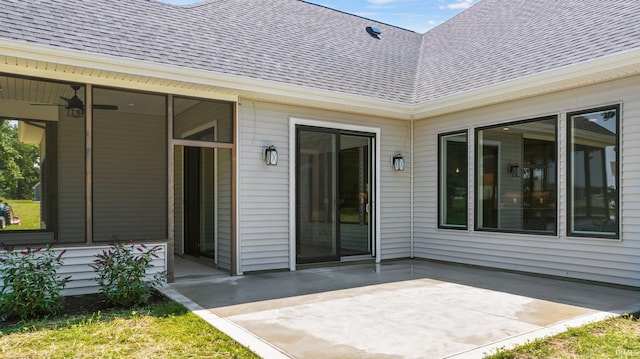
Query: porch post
{"x": 170, "y": 192}
{"x": 88, "y": 115}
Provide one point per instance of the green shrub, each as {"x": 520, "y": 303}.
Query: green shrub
{"x": 30, "y": 283}
{"x": 121, "y": 273}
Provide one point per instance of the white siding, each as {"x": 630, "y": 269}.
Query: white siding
{"x": 76, "y": 262}
{"x": 178, "y": 200}
{"x": 224, "y": 208}
{"x": 604, "y": 260}
{"x": 264, "y": 190}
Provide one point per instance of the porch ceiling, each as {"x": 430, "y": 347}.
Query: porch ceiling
{"x": 181, "y": 81}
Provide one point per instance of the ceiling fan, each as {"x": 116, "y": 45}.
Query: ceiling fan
{"x": 75, "y": 104}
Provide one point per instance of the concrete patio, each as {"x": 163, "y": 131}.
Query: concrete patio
{"x": 398, "y": 309}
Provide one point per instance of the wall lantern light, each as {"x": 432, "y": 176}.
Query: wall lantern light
{"x": 514, "y": 169}
{"x": 398, "y": 162}
{"x": 271, "y": 156}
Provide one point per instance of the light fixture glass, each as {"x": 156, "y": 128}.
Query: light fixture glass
{"x": 398, "y": 162}
{"x": 75, "y": 112}
{"x": 271, "y": 156}
{"x": 514, "y": 169}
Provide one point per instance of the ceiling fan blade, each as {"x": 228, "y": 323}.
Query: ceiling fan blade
{"x": 65, "y": 98}
{"x": 105, "y": 107}
{"x": 45, "y": 104}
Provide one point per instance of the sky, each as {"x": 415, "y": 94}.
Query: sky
{"x": 417, "y": 15}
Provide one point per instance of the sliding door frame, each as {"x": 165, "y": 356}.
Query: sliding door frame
{"x": 375, "y": 201}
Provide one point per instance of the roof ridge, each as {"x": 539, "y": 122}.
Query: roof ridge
{"x": 358, "y": 16}
{"x": 455, "y": 16}
{"x": 196, "y": 4}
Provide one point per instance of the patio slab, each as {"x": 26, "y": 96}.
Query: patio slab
{"x": 398, "y": 309}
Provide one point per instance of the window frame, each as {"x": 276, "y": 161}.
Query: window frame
{"x": 476, "y": 177}
{"x": 569, "y": 171}
{"x": 440, "y": 181}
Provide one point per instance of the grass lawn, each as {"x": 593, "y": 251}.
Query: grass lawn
{"x": 28, "y": 211}
{"x": 613, "y": 338}
{"x": 165, "y": 330}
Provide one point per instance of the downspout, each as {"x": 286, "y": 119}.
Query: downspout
{"x": 236, "y": 246}
{"x": 412, "y": 165}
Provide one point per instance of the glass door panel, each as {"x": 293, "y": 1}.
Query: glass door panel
{"x": 316, "y": 192}
{"x": 355, "y": 183}
{"x": 199, "y": 202}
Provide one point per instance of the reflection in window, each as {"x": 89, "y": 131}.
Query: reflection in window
{"x": 517, "y": 176}
{"x": 593, "y": 169}
{"x": 42, "y": 162}
{"x": 25, "y": 186}
{"x": 453, "y": 180}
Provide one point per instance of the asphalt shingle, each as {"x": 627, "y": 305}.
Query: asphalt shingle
{"x": 498, "y": 40}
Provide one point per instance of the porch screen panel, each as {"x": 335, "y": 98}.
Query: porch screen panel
{"x": 129, "y": 166}
{"x": 43, "y": 175}
{"x": 203, "y": 120}
{"x": 71, "y": 186}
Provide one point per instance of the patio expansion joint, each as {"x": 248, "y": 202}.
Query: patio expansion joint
{"x": 237, "y": 333}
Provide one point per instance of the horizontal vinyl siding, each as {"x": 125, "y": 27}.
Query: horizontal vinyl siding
{"x": 603, "y": 260}
{"x": 395, "y": 192}
{"x": 178, "y": 200}
{"x": 76, "y": 262}
{"x": 224, "y": 208}
{"x": 264, "y": 190}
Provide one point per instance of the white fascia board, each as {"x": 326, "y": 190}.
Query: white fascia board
{"x": 239, "y": 85}
{"x": 606, "y": 68}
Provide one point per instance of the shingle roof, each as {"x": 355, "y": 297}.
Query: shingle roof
{"x": 499, "y": 40}
{"x": 299, "y": 43}
{"x": 281, "y": 40}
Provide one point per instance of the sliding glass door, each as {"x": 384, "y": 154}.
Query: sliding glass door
{"x": 333, "y": 192}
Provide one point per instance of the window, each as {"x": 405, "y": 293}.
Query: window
{"x": 516, "y": 176}
{"x": 453, "y": 180}
{"x": 593, "y": 169}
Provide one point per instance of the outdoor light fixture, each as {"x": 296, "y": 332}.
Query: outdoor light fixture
{"x": 75, "y": 112}
{"x": 514, "y": 169}
{"x": 398, "y": 162}
{"x": 271, "y": 156}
